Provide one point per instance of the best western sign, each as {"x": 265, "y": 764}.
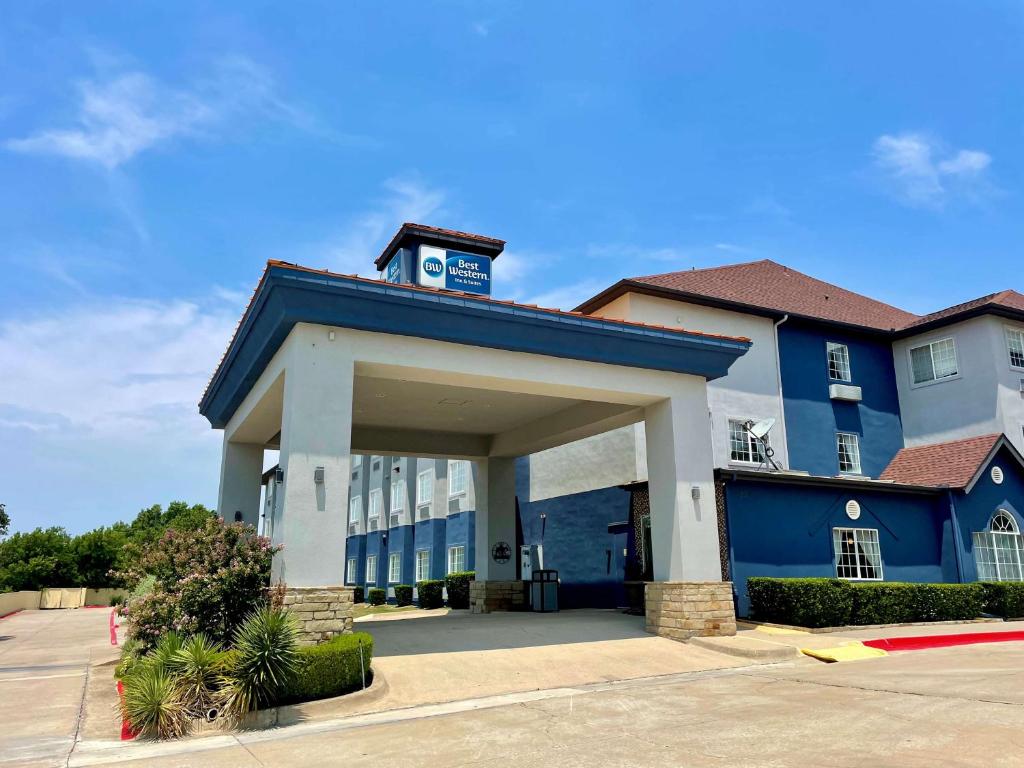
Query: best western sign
{"x": 453, "y": 270}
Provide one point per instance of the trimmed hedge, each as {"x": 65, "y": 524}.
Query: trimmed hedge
{"x": 457, "y": 585}
{"x": 1004, "y": 598}
{"x": 403, "y": 594}
{"x": 358, "y": 595}
{"x": 330, "y": 669}
{"x": 836, "y": 603}
{"x": 378, "y": 596}
{"x": 430, "y": 593}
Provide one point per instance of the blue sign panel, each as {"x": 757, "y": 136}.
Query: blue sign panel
{"x": 467, "y": 272}
{"x": 394, "y": 273}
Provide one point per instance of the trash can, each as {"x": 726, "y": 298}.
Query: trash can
{"x": 544, "y": 591}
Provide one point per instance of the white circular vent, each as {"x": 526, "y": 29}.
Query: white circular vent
{"x": 997, "y": 475}
{"x": 852, "y": 509}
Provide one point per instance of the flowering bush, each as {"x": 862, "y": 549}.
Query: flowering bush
{"x": 204, "y": 580}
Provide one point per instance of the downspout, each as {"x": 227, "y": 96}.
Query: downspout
{"x": 778, "y": 376}
{"x": 957, "y": 542}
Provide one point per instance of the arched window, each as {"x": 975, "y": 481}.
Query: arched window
{"x": 999, "y": 552}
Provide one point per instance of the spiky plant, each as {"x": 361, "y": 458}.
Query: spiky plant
{"x": 162, "y": 656}
{"x": 199, "y": 667}
{"x": 264, "y": 661}
{"x": 153, "y": 704}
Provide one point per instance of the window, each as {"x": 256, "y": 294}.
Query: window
{"x": 350, "y": 571}
{"x": 456, "y": 477}
{"x": 456, "y": 559}
{"x": 375, "y": 463}
{"x": 395, "y": 567}
{"x": 998, "y": 551}
{"x": 424, "y": 492}
{"x": 355, "y": 509}
{"x": 838, "y": 362}
{"x": 743, "y": 446}
{"x": 376, "y": 504}
{"x": 848, "y": 445}
{"x": 357, "y": 460}
{"x": 933, "y": 362}
{"x": 397, "y": 496}
{"x": 858, "y": 555}
{"x": 422, "y": 565}
{"x": 371, "y": 569}
{"x": 1015, "y": 343}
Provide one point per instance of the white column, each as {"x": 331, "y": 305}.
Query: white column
{"x": 495, "y": 485}
{"x": 684, "y": 519}
{"x": 316, "y": 431}
{"x": 241, "y": 471}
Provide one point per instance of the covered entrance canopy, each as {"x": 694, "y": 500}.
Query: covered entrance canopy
{"x": 323, "y": 365}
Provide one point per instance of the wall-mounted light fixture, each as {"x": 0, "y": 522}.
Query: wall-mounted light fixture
{"x": 279, "y": 476}
{"x": 695, "y": 493}
{"x": 318, "y": 475}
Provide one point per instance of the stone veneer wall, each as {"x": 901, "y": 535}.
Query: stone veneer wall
{"x": 322, "y": 612}
{"x": 683, "y": 609}
{"x": 487, "y": 596}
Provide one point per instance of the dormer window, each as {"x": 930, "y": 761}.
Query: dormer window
{"x": 838, "y": 362}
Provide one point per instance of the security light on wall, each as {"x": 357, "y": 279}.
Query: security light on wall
{"x": 318, "y": 475}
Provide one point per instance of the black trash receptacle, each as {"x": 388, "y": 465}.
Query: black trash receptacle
{"x": 544, "y": 591}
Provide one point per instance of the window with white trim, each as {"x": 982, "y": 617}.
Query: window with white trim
{"x": 376, "y": 504}
{"x": 1015, "y": 345}
{"x": 397, "y": 496}
{"x": 422, "y": 565}
{"x": 424, "y": 492}
{"x": 355, "y": 509}
{"x": 394, "y": 567}
{"x": 357, "y": 460}
{"x": 858, "y": 554}
{"x": 934, "y": 361}
{"x": 371, "y": 569}
{"x": 456, "y": 477}
{"x": 743, "y": 446}
{"x": 848, "y": 448}
{"x": 998, "y": 552}
{"x": 456, "y": 559}
{"x": 350, "y": 571}
{"x": 838, "y": 361}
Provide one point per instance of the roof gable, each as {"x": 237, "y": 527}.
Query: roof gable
{"x": 955, "y": 464}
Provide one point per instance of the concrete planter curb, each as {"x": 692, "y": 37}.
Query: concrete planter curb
{"x": 855, "y": 627}
{"x": 747, "y": 648}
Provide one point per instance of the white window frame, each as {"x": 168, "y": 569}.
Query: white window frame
{"x": 844, "y": 368}
{"x": 376, "y": 504}
{"x": 357, "y": 460}
{"x": 461, "y": 549}
{"x": 754, "y": 447}
{"x": 422, "y": 559}
{"x": 351, "y": 570}
{"x": 1010, "y": 334}
{"x": 371, "y": 569}
{"x": 355, "y": 509}
{"x": 999, "y": 550}
{"x": 421, "y": 503}
{"x": 864, "y": 541}
{"x": 464, "y": 469}
{"x": 839, "y": 453}
{"x": 931, "y": 351}
{"x": 394, "y": 568}
{"x": 397, "y": 496}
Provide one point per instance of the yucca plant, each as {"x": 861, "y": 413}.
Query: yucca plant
{"x": 162, "y": 656}
{"x": 264, "y": 661}
{"x": 153, "y": 704}
{"x": 199, "y": 667}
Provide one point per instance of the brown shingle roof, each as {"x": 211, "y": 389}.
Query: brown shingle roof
{"x": 1004, "y": 299}
{"x": 768, "y": 285}
{"x": 953, "y": 464}
{"x": 409, "y": 227}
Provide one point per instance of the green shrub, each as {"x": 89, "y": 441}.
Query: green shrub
{"x": 403, "y": 594}
{"x": 153, "y": 704}
{"x": 330, "y": 669}
{"x": 457, "y": 585}
{"x": 801, "y": 602}
{"x": 117, "y": 600}
{"x": 264, "y": 660}
{"x": 430, "y": 593}
{"x": 1004, "y": 598}
{"x": 947, "y": 602}
{"x": 131, "y": 655}
{"x": 358, "y": 595}
{"x": 378, "y": 596}
{"x": 883, "y": 603}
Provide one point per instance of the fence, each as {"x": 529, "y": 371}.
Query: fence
{"x": 76, "y": 597}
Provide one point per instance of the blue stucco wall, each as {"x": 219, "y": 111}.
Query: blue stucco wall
{"x": 812, "y": 419}
{"x": 375, "y": 545}
{"x": 460, "y": 530}
{"x": 578, "y": 545}
{"x": 355, "y": 546}
{"x": 430, "y": 534}
{"x": 976, "y": 509}
{"x": 785, "y": 530}
{"x": 402, "y": 539}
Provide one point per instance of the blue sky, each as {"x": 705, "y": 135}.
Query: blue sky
{"x": 154, "y": 156}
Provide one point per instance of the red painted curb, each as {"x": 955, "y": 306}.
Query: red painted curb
{"x": 127, "y": 732}
{"x": 943, "y": 641}
{"x": 113, "y": 627}
{"x": 8, "y": 615}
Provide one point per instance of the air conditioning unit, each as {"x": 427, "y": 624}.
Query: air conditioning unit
{"x": 847, "y": 392}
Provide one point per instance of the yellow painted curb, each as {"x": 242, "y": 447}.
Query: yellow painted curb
{"x": 781, "y": 631}
{"x": 851, "y": 652}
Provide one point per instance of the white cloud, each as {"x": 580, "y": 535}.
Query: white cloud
{"x": 569, "y": 296}
{"x": 130, "y": 112}
{"x": 923, "y": 172}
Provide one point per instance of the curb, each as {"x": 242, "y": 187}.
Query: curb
{"x": 777, "y": 651}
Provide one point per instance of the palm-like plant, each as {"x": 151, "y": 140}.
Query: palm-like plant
{"x": 264, "y": 661}
{"x": 199, "y": 667}
{"x": 162, "y": 657}
{"x": 153, "y": 704}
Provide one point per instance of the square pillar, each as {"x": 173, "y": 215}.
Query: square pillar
{"x": 241, "y": 474}
{"x": 495, "y": 484}
{"x": 680, "y": 610}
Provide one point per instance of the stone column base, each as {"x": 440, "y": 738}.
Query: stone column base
{"x": 322, "y": 612}
{"x": 488, "y": 596}
{"x": 683, "y": 609}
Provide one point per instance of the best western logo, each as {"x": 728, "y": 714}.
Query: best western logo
{"x": 433, "y": 266}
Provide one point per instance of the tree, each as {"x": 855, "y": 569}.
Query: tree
{"x": 96, "y": 554}
{"x": 5, "y": 520}
{"x": 36, "y": 560}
